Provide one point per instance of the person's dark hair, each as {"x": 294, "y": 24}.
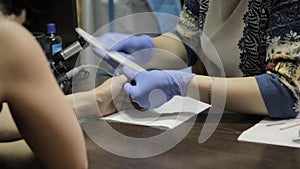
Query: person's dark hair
{"x": 9, "y": 7}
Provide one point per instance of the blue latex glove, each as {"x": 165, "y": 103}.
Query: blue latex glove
{"x": 127, "y": 45}
{"x": 151, "y": 89}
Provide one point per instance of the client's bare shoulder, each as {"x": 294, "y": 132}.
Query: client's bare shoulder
{"x": 18, "y": 46}
{"x": 21, "y": 57}
{"x": 15, "y": 39}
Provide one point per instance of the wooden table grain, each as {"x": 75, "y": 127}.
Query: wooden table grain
{"x": 221, "y": 150}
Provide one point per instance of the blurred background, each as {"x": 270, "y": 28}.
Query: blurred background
{"x": 91, "y": 15}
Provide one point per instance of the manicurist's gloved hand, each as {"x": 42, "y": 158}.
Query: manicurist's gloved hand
{"x": 137, "y": 48}
{"x": 151, "y": 89}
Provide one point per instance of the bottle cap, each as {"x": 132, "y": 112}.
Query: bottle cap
{"x": 51, "y": 28}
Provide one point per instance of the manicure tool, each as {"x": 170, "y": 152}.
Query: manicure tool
{"x": 112, "y": 54}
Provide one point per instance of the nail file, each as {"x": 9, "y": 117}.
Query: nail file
{"x": 112, "y": 54}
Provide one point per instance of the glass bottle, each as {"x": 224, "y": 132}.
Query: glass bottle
{"x": 53, "y": 42}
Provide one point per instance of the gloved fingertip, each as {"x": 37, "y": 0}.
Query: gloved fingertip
{"x": 149, "y": 40}
{"x": 129, "y": 73}
{"x": 130, "y": 57}
{"x": 94, "y": 49}
{"x": 98, "y": 51}
{"x": 127, "y": 87}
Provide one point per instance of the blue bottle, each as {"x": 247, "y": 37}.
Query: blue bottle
{"x": 53, "y": 42}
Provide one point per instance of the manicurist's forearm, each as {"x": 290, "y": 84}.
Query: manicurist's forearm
{"x": 242, "y": 94}
{"x": 170, "y": 51}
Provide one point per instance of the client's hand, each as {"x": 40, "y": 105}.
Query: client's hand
{"x": 104, "y": 100}
{"x": 111, "y": 97}
{"x": 152, "y": 89}
{"x": 137, "y": 48}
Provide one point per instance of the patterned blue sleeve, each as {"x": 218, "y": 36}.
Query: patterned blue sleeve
{"x": 284, "y": 48}
{"x": 190, "y": 25}
{"x": 278, "y": 99}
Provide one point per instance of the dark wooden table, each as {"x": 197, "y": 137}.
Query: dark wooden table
{"x": 221, "y": 150}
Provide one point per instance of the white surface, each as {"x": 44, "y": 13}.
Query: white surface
{"x": 169, "y": 115}
{"x": 280, "y": 134}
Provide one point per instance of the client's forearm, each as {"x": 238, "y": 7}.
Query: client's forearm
{"x": 83, "y": 103}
